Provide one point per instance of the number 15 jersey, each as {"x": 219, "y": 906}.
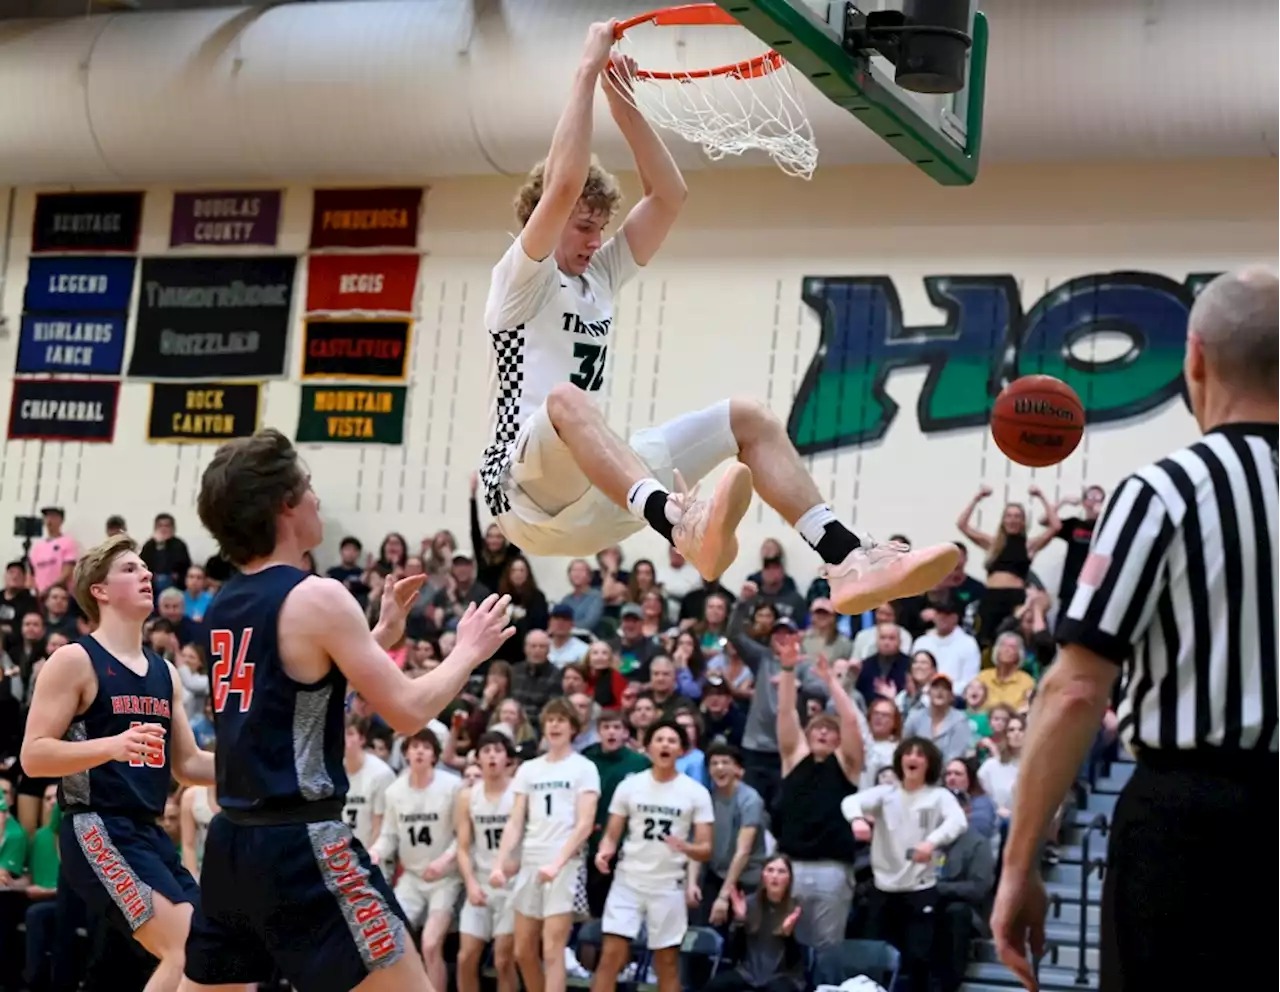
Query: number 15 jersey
{"x": 654, "y": 811}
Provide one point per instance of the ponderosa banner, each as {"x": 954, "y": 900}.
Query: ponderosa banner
{"x": 334, "y": 414}
{"x": 63, "y": 410}
{"x": 221, "y": 218}
{"x": 356, "y": 349}
{"x": 86, "y": 222}
{"x": 366, "y": 218}
{"x": 79, "y": 285}
{"x": 213, "y": 317}
{"x": 368, "y": 283}
{"x": 203, "y": 412}
{"x": 60, "y": 343}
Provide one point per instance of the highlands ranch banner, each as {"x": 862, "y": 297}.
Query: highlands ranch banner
{"x": 337, "y": 415}
{"x": 356, "y": 349}
{"x": 366, "y": 218}
{"x": 368, "y": 283}
{"x": 86, "y": 222}
{"x": 218, "y": 219}
{"x": 61, "y": 343}
{"x": 63, "y": 410}
{"x": 203, "y": 412}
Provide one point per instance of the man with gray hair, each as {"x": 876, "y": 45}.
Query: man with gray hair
{"x": 1179, "y": 589}
{"x": 172, "y": 604}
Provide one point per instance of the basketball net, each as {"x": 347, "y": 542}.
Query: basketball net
{"x": 746, "y": 106}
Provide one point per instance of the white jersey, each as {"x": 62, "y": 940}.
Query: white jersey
{"x": 488, "y": 820}
{"x": 546, "y": 327}
{"x": 366, "y": 790}
{"x": 418, "y": 824}
{"x": 654, "y": 811}
{"x": 202, "y": 813}
{"x": 552, "y": 788}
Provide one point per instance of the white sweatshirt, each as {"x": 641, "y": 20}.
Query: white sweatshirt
{"x": 905, "y": 820}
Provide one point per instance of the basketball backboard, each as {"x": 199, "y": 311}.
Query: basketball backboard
{"x": 847, "y": 50}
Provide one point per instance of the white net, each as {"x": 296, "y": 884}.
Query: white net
{"x": 753, "y": 106}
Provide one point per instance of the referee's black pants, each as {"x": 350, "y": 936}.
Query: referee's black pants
{"x": 1190, "y": 892}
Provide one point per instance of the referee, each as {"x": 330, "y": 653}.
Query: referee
{"x": 1179, "y": 592}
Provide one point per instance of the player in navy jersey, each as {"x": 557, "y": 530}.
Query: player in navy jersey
{"x": 107, "y": 717}
{"x": 286, "y": 883}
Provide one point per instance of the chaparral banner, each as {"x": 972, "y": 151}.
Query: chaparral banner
{"x": 366, "y": 218}
{"x": 63, "y": 410}
{"x": 218, "y": 219}
{"x": 86, "y": 222}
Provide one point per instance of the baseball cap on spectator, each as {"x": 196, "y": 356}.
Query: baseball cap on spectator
{"x": 784, "y": 623}
{"x": 941, "y": 679}
{"x": 716, "y": 684}
{"x": 822, "y": 605}
{"x": 462, "y": 556}
{"x": 46, "y": 510}
{"x": 561, "y": 612}
{"x": 631, "y": 610}
{"x": 772, "y": 562}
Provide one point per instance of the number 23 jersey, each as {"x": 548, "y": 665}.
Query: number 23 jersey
{"x": 552, "y": 789}
{"x": 654, "y": 811}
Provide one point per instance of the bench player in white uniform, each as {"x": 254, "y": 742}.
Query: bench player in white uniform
{"x": 660, "y": 809}
{"x": 369, "y": 776}
{"x": 557, "y": 480}
{"x": 480, "y": 817}
{"x": 554, "y": 813}
{"x": 418, "y": 828}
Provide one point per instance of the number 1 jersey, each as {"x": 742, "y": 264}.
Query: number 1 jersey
{"x": 552, "y": 789}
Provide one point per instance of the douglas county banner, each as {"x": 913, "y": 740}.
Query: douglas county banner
{"x": 203, "y": 411}
{"x": 333, "y": 414}
{"x": 79, "y": 285}
{"x": 366, "y": 218}
{"x": 217, "y": 219}
{"x": 86, "y": 222}
{"x": 356, "y": 349}
{"x": 368, "y": 283}
{"x": 60, "y": 343}
{"x": 202, "y": 317}
{"x": 63, "y": 410}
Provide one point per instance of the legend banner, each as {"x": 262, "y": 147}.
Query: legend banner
{"x": 366, "y": 218}
{"x": 369, "y": 283}
{"x": 337, "y": 415}
{"x": 86, "y": 222}
{"x": 63, "y": 410}
{"x": 219, "y": 219}
{"x": 205, "y": 412}
{"x": 356, "y": 349}
{"x": 76, "y": 284}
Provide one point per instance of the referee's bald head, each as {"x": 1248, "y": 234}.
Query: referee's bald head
{"x": 1235, "y": 326}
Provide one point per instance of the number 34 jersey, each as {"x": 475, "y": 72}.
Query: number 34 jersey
{"x": 654, "y": 811}
{"x": 417, "y": 827}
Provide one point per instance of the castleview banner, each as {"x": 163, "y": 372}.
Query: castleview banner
{"x": 356, "y": 349}
{"x": 203, "y": 412}
{"x": 333, "y": 414}
{"x": 202, "y": 317}
{"x": 86, "y": 222}
{"x": 233, "y": 217}
{"x": 366, "y": 218}
{"x": 370, "y": 283}
{"x": 63, "y": 410}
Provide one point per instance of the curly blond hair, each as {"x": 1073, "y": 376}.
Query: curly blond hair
{"x": 601, "y": 191}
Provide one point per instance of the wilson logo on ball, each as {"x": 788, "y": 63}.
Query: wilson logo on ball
{"x": 1042, "y": 408}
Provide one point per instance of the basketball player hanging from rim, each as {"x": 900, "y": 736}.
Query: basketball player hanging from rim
{"x": 556, "y": 479}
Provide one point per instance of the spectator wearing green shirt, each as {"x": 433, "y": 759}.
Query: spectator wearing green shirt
{"x": 42, "y": 912}
{"x": 13, "y": 844}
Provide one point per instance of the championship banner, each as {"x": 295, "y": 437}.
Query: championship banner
{"x": 49, "y": 343}
{"x": 355, "y": 349}
{"x": 213, "y": 317}
{"x": 205, "y": 412}
{"x": 366, "y": 218}
{"x": 369, "y": 283}
{"x": 337, "y": 415}
{"x": 79, "y": 285}
{"x": 218, "y": 219}
{"x": 63, "y": 410}
{"x": 86, "y": 222}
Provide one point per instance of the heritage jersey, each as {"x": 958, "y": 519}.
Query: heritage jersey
{"x": 417, "y": 826}
{"x": 366, "y": 796}
{"x": 488, "y": 820}
{"x": 138, "y": 787}
{"x": 654, "y": 811}
{"x": 552, "y": 789}
{"x": 546, "y": 327}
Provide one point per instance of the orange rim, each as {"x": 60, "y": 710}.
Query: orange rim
{"x": 700, "y": 15}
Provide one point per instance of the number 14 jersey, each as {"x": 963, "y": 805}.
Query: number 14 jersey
{"x": 654, "y": 811}
{"x": 417, "y": 826}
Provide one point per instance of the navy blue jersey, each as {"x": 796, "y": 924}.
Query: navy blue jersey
{"x": 138, "y": 787}
{"x": 279, "y": 742}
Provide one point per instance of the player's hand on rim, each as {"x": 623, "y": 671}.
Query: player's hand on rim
{"x": 139, "y": 743}
{"x": 486, "y": 626}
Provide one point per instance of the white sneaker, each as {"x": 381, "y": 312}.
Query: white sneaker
{"x": 707, "y": 532}
{"x": 875, "y": 574}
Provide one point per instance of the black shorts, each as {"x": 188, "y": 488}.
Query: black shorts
{"x": 117, "y": 863}
{"x": 303, "y": 899}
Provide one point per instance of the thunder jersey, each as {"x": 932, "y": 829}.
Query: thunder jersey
{"x": 279, "y": 743}
{"x": 366, "y": 796}
{"x": 655, "y": 811}
{"x": 137, "y": 787}
{"x": 546, "y": 327}
{"x": 417, "y": 826}
{"x": 552, "y": 789}
{"x": 488, "y": 820}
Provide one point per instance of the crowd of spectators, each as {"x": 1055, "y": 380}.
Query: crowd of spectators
{"x": 766, "y": 679}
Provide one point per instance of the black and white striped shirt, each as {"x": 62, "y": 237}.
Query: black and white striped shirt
{"x": 1180, "y": 587}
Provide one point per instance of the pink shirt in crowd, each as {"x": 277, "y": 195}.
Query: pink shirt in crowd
{"x": 48, "y": 556}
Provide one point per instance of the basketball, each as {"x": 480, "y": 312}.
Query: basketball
{"x": 1037, "y": 420}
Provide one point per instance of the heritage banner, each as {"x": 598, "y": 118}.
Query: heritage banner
{"x": 355, "y": 349}
{"x": 352, "y": 415}
{"x": 367, "y": 283}
{"x": 63, "y": 410}
{"x": 86, "y": 222}
{"x": 203, "y": 412}
{"x": 366, "y": 218}
{"x": 221, "y": 218}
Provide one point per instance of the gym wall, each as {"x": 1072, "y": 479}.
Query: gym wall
{"x": 1081, "y": 271}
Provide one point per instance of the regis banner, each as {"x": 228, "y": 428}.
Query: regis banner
{"x": 369, "y": 283}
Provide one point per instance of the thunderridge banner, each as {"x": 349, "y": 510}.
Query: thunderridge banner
{"x": 201, "y": 318}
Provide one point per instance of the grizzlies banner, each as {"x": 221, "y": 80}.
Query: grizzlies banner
{"x": 60, "y": 343}
{"x": 217, "y": 219}
{"x": 86, "y": 222}
{"x": 337, "y": 415}
{"x": 221, "y": 317}
{"x": 203, "y": 411}
{"x": 366, "y": 218}
{"x": 356, "y": 349}
{"x": 370, "y": 283}
{"x": 79, "y": 285}
{"x": 63, "y": 410}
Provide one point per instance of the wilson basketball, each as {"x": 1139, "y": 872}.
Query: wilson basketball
{"x": 1037, "y": 420}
